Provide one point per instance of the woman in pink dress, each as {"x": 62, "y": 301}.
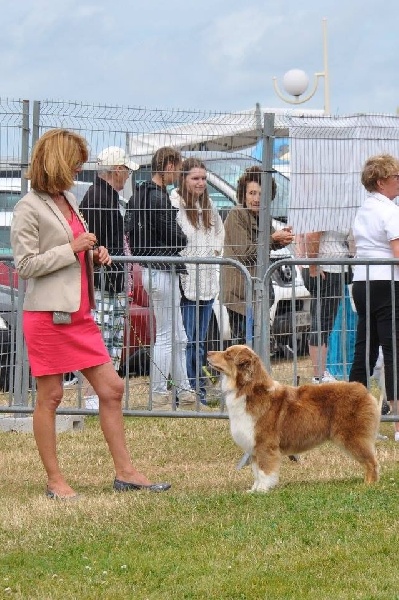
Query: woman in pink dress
{"x": 54, "y": 252}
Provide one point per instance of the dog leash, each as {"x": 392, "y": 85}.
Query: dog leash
{"x": 247, "y": 459}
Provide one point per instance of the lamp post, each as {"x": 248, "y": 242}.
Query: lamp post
{"x": 296, "y": 82}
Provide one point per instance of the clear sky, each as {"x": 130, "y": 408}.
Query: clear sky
{"x": 208, "y": 54}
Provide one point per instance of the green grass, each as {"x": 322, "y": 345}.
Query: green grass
{"x": 321, "y": 534}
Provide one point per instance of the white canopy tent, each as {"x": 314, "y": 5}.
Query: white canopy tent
{"x": 221, "y": 132}
{"x": 327, "y": 157}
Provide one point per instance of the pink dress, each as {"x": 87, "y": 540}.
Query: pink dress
{"x": 54, "y": 349}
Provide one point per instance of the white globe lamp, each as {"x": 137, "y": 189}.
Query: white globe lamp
{"x": 295, "y": 82}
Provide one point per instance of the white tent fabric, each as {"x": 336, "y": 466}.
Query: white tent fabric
{"x": 327, "y": 157}
{"x": 327, "y": 154}
{"x": 223, "y": 132}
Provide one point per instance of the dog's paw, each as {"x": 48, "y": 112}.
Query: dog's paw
{"x": 264, "y": 483}
{"x": 256, "y": 490}
{"x": 259, "y": 490}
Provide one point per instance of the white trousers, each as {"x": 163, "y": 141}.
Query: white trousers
{"x": 163, "y": 291}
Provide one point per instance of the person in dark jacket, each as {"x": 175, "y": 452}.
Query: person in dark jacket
{"x": 164, "y": 237}
{"x": 100, "y": 208}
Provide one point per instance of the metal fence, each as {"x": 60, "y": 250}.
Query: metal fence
{"x": 314, "y": 160}
{"x": 138, "y": 353}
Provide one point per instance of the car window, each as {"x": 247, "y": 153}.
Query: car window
{"x": 5, "y": 243}
{"x": 219, "y": 199}
{"x": 8, "y": 199}
{"x": 279, "y": 206}
{"x": 228, "y": 170}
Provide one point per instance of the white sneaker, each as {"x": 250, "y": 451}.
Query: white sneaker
{"x": 161, "y": 401}
{"x": 188, "y": 400}
{"x": 92, "y": 402}
{"x": 327, "y": 378}
{"x": 396, "y": 436}
{"x": 68, "y": 383}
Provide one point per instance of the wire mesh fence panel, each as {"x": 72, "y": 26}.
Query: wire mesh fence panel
{"x": 12, "y": 159}
{"x": 309, "y": 183}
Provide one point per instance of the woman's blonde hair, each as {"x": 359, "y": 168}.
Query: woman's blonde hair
{"x": 56, "y": 156}
{"x": 378, "y": 167}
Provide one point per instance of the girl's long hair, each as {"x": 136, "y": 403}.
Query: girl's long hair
{"x": 190, "y": 200}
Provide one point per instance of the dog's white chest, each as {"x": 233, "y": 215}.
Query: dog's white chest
{"x": 242, "y": 424}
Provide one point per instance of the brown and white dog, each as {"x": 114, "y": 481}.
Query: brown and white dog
{"x": 269, "y": 420}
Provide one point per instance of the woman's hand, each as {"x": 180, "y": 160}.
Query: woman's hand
{"x": 283, "y": 236}
{"x": 315, "y": 270}
{"x": 101, "y": 256}
{"x": 84, "y": 241}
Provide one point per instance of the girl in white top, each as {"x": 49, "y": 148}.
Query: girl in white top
{"x": 376, "y": 235}
{"x": 201, "y": 223}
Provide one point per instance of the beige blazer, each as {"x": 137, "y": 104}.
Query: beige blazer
{"x": 40, "y": 239}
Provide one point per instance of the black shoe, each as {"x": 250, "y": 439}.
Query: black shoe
{"x": 54, "y": 496}
{"x": 385, "y": 408}
{"x": 126, "y": 486}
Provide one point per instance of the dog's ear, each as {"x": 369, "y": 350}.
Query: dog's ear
{"x": 245, "y": 363}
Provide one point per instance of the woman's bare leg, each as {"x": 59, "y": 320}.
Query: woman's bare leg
{"x": 109, "y": 388}
{"x": 49, "y": 396}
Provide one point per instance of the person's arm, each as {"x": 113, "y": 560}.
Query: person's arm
{"x": 281, "y": 237}
{"x": 312, "y": 246}
{"x": 351, "y": 244}
{"x": 395, "y": 247}
{"x": 238, "y": 236}
{"x": 163, "y": 216}
{"x": 219, "y": 233}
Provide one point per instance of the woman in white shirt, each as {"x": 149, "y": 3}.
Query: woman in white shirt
{"x": 201, "y": 223}
{"x": 376, "y": 235}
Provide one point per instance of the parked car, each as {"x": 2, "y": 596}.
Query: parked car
{"x": 7, "y": 340}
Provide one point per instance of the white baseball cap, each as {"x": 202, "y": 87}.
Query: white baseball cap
{"x": 114, "y": 156}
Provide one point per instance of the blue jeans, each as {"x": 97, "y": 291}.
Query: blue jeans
{"x": 194, "y": 336}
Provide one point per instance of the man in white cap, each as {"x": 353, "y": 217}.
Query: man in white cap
{"x": 101, "y": 209}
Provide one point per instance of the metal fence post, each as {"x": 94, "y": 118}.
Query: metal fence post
{"x": 35, "y": 122}
{"x": 21, "y": 388}
{"x": 262, "y": 303}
